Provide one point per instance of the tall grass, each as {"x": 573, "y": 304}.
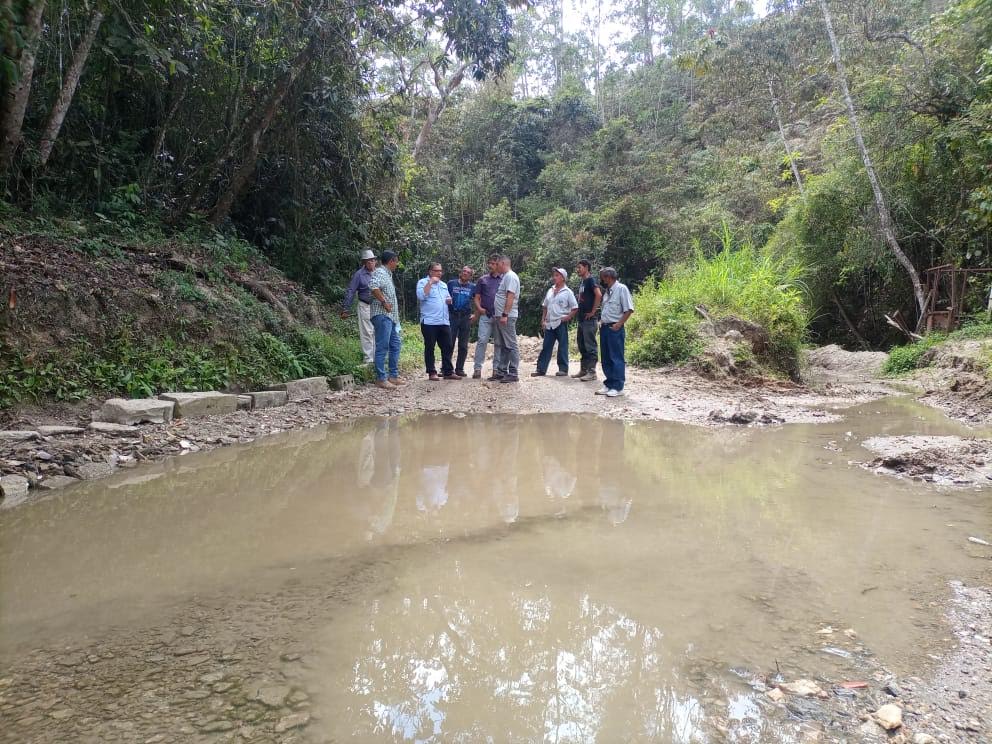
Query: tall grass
{"x": 745, "y": 282}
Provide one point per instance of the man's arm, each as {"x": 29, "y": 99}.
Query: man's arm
{"x": 597, "y": 299}
{"x": 573, "y": 306}
{"x": 349, "y": 295}
{"x": 509, "y": 303}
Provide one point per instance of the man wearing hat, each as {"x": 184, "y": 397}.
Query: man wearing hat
{"x": 558, "y": 308}
{"x": 359, "y": 287}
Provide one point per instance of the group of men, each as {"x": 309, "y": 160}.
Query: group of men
{"x": 448, "y": 310}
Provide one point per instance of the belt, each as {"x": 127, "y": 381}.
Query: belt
{"x": 367, "y": 302}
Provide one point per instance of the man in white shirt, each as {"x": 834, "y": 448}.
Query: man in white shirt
{"x": 558, "y": 308}
{"x": 616, "y": 309}
{"x": 506, "y": 310}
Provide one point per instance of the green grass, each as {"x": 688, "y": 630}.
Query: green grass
{"x": 745, "y": 282}
{"x": 904, "y": 359}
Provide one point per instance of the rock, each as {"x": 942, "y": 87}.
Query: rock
{"x": 108, "y": 428}
{"x": 18, "y": 436}
{"x": 296, "y": 720}
{"x": 802, "y": 688}
{"x": 62, "y": 714}
{"x": 273, "y": 696}
{"x": 923, "y": 739}
{"x": 342, "y": 382}
{"x": 776, "y": 694}
{"x": 191, "y": 405}
{"x": 217, "y": 726}
{"x": 978, "y": 541}
{"x": 43, "y": 456}
{"x": 244, "y": 403}
{"x": 135, "y": 411}
{"x": 734, "y": 336}
{"x": 309, "y": 387}
{"x": 893, "y": 689}
{"x": 268, "y": 398}
{"x": 90, "y": 470}
{"x": 889, "y": 717}
{"x": 55, "y": 431}
{"x": 14, "y": 486}
{"x": 51, "y": 482}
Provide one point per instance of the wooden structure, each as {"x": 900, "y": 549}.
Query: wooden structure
{"x": 945, "y": 290}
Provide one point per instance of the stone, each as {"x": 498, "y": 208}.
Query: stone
{"x": 52, "y": 482}
{"x": 802, "y": 688}
{"x": 13, "y": 435}
{"x": 244, "y": 403}
{"x": 217, "y": 726}
{"x": 90, "y": 470}
{"x": 923, "y": 739}
{"x": 889, "y": 717}
{"x": 268, "y": 399}
{"x": 309, "y": 387}
{"x": 107, "y": 428}
{"x": 273, "y": 696}
{"x": 135, "y": 411}
{"x": 296, "y": 720}
{"x": 775, "y": 694}
{"x": 55, "y": 431}
{"x": 342, "y": 382}
{"x": 14, "y": 486}
{"x": 191, "y": 405}
{"x": 62, "y": 714}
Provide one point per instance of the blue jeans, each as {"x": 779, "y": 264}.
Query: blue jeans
{"x": 387, "y": 339}
{"x": 611, "y": 345}
{"x": 485, "y": 335}
{"x": 559, "y": 334}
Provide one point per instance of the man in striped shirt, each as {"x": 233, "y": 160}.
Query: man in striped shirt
{"x": 386, "y": 322}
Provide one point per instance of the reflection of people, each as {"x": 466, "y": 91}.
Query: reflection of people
{"x": 617, "y": 308}
{"x": 379, "y": 475}
{"x": 557, "y": 311}
{"x": 359, "y": 289}
{"x": 505, "y": 450}
{"x": 613, "y": 497}
{"x": 435, "y": 323}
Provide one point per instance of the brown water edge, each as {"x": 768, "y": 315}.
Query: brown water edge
{"x": 530, "y": 577}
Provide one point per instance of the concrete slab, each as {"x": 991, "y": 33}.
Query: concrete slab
{"x": 51, "y": 482}
{"x": 105, "y": 428}
{"x": 342, "y": 382}
{"x": 191, "y": 405}
{"x": 135, "y": 411}
{"x": 308, "y": 387}
{"x": 245, "y": 403}
{"x": 12, "y": 435}
{"x": 55, "y": 431}
{"x": 268, "y": 399}
{"x": 13, "y": 488}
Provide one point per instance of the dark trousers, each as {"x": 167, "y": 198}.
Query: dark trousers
{"x": 586, "y": 339}
{"x": 460, "y": 330}
{"x": 441, "y": 336}
{"x": 612, "y": 348}
{"x": 557, "y": 335}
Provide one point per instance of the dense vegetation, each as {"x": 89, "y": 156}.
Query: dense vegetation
{"x": 452, "y": 128}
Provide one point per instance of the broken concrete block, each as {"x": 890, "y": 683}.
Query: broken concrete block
{"x": 268, "y": 398}
{"x": 14, "y": 488}
{"x": 90, "y": 470}
{"x": 244, "y": 403}
{"x": 191, "y": 405}
{"x": 342, "y": 382}
{"x": 54, "y": 431}
{"x": 309, "y": 387}
{"x": 18, "y": 436}
{"x": 105, "y": 428}
{"x": 51, "y": 482}
{"x": 135, "y": 411}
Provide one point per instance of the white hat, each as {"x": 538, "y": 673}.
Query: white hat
{"x": 564, "y": 274}
{"x": 367, "y": 254}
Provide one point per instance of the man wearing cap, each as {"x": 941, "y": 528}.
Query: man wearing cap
{"x": 617, "y": 308}
{"x": 386, "y": 322}
{"x": 461, "y": 315}
{"x": 359, "y": 288}
{"x": 558, "y": 308}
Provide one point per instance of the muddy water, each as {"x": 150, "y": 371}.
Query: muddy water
{"x": 556, "y": 577}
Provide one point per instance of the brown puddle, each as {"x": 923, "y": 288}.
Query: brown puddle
{"x": 550, "y": 577}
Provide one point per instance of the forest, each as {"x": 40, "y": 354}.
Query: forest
{"x": 796, "y": 163}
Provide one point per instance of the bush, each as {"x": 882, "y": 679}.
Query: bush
{"x": 904, "y": 359}
{"x": 747, "y": 283}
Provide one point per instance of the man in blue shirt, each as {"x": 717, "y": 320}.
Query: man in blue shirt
{"x": 358, "y": 289}
{"x": 435, "y": 325}
{"x": 461, "y": 315}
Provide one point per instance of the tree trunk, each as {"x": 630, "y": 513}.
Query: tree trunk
{"x": 885, "y": 218}
{"x": 15, "y": 102}
{"x": 785, "y": 142}
{"x": 178, "y": 95}
{"x": 69, "y": 85}
{"x": 444, "y": 89}
{"x": 261, "y": 124}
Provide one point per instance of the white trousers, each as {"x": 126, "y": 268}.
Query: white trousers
{"x": 365, "y": 331}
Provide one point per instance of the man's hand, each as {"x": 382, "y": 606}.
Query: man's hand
{"x": 388, "y": 306}
{"x": 434, "y": 280}
{"x": 616, "y": 326}
{"x": 472, "y": 318}
{"x": 590, "y": 316}
{"x": 503, "y": 319}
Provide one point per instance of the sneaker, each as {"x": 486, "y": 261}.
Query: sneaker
{"x": 537, "y": 374}
{"x": 433, "y": 377}
{"x": 383, "y": 384}
{"x": 579, "y": 375}
{"x": 510, "y": 378}
{"x": 588, "y": 377}
{"x": 477, "y": 375}
{"x": 396, "y": 381}
{"x": 603, "y": 391}
{"x": 560, "y": 373}
{"x": 614, "y": 393}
